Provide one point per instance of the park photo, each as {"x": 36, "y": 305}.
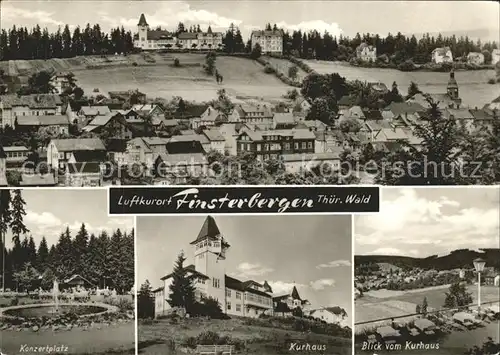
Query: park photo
{"x": 260, "y": 285}
{"x": 67, "y": 274}
{"x": 427, "y": 273}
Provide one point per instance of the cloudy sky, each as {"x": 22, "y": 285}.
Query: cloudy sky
{"x": 314, "y": 252}
{"x": 348, "y": 17}
{"x": 49, "y": 212}
{"x": 423, "y": 222}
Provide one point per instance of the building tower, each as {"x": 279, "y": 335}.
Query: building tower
{"x": 209, "y": 259}
{"x": 142, "y": 29}
{"x": 452, "y": 89}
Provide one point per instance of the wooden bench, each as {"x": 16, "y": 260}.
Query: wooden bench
{"x": 214, "y": 349}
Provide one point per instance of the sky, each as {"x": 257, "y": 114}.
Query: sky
{"x": 312, "y": 252}
{"x": 428, "y": 221}
{"x": 347, "y": 17}
{"x": 50, "y": 211}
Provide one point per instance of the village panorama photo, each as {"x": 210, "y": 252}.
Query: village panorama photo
{"x": 68, "y": 274}
{"x": 199, "y": 92}
{"x": 427, "y": 273}
{"x": 244, "y": 284}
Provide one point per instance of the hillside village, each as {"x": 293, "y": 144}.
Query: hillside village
{"x": 54, "y": 134}
{"x": 378, "y": 273}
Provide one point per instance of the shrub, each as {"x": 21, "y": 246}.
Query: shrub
{"x": 177, "y": 62}
{"x": 134, "y": 64}
{"x": 491, "y": 81}
{"x": 269, "y": 69}
{"x": 14, "y": 301}
{"x": 207, "y": 338}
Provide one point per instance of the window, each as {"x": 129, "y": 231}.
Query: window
{"x": 296, "y": 145}
{"x": 258, "y": 147}
{"x": 202, "y": 256}
{"x": 216, "y": 283}
{"x": 309, "y": 145}
{"x": 304, "y": 146}
{"x": 238, "y": 308}
{"x": 238, "y": 296}
{"x": 228, "y": 293}
{"x": 287, "y": 146}
{"x": 229, "y": 306}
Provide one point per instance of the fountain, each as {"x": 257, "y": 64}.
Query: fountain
{"x": 55, "y": 295}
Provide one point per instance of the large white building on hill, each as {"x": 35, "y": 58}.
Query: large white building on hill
{"x": 147, "y": 39}
{"x": 240, "y": 298}
{"x": 270, "y": 42}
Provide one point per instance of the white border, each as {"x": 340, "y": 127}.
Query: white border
{"x": 215, "y": 213}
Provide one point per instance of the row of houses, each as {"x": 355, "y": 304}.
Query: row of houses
{"x": 368, "y": 53}
{"x": 445, "y": 55}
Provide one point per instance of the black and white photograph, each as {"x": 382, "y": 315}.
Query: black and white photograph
{"x": 68, "y": 274}
{"x": 259, "y": 92}
{"x": 244, "y": 284}
{"x": 427, "y": 273}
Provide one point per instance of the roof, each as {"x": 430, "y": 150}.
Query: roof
{"x": 245, "y": 109}
{"x": 74, "y": 277}
{"x": 481, "y": 114}
{"x": 116, "y": 145}
{"x": 187, "y": 35}
{"x": 295, "y": 294}
{"x": 155, "y": 35}
{"x": 460, "y": 114}
{"x": 183, "y": 159}
{"x": 142, "y": 21}
{"x": 401, "y": 108}
{"x": 14, "y": 148}
{"x": 38, "y": 101}
{"x": 363, "y": 46}
{"x": 74, "y": 144}
{"x": 209, "y": 230}
{"x": 84, "y": 168}
{"x": 267, "y": 33}
{"x": 45, "y": 120}
{"x": 184, "y": 147}
{"x": 94, "y": 110}
{"x": 295, "y": 133}
{"x": 284, "y": 118}
{"x": 192, "y": 270}
{"x": 310, "y": 156}
{"x": 190, "y": 138}
{"x": 373, "y": 114}
{"x": 236, "y": 284}
{"x": 90, "y": 156}
{"x": 442, "y": 50}
{"x": 35, "y": 180}
{"x": 214, "y": 135}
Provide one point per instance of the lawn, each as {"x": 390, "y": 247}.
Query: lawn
{"x": 157, "y": 338}
{"x": 282, "y": 66}
{"x": 117, "y": 339}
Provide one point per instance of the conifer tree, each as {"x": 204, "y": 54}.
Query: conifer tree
{"x": 145, "y": 302}
{"x": 42, "y": 255}
{"x": 182, "y": 290}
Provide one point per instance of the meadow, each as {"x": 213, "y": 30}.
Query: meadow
{"x": 473, "y": 85}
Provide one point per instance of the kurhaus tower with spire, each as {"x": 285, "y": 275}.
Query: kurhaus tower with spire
{"x": 158, "y": 39}
{"x": 242, "y": 298}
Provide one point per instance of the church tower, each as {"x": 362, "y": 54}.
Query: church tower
{"x": 142, "y": 28}
{"x": 209, "y": 259}
{"x": 452, "y": 89}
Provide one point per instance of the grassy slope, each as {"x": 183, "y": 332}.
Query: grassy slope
{"x": 154, "y": 338}
{"x": 155, "y": 75}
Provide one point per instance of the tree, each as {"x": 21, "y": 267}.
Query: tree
{"x": 256, "y": 52}
{"x": 209, "y": 65}
{"x": 424, "y": 307}
{"x": 145, "y": 302}
{"x": 413, "y": 90}
{"x": 350, "y": 125}
{"x": 5, "y": 219}
{"x": 79, "y": 250}
{"x": 40, "y": 83}
{"x": 182, "y": 289}
{"x": 42, "y": 255}
{"x": 27, "y": 279}
{"x": 457, "y": 296}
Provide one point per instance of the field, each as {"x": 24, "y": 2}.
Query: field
{"x": 473, "y": 87}
{"x": 155, "y": 75}
{"x": 155, "y": 338}
{"x": 401, "y": 303}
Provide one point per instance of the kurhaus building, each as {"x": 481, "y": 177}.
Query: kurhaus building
{"x": 240, "y": 298}
{"x": 147, "y": 39}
